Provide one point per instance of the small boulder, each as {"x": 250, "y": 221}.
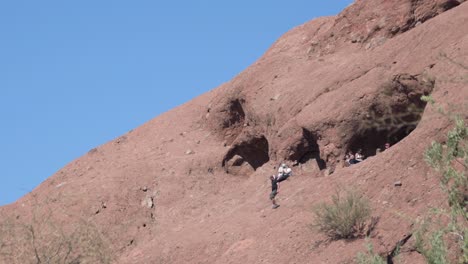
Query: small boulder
{"x": 148, "y": 202}
{"x": 189, "y": 152}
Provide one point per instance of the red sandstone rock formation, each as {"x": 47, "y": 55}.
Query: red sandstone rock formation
{"x": 191, "y": 186}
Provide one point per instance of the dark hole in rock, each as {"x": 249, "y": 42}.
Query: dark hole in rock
{"x": 369, "y": 141}
{"x": 252, "y": 152}
{"x": 307, "y": 149}
{"x": 447, "y": 5}
{"x": 394, "y": 115}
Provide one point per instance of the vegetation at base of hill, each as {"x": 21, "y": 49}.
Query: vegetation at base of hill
{"x": 369, "y": 257}
{"x": 345, "y": 217}
{"x": 42, "y": 238}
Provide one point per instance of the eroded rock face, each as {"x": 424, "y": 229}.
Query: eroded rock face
{"x": 396, "y": 96}
{"x": 332, "y": 85}
{"x": 226, "y": 116}
{"x": 372, "y": 23}
{"x": 389, "y": 115}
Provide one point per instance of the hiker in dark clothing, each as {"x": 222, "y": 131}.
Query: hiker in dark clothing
{"x": 274, "y": 190}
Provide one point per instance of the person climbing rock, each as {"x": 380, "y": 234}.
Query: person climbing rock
{"x": 274, "y": 191}
{"x": 283, "y": 172}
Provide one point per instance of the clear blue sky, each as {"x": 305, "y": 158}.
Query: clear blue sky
{"x": 76, "y": 74}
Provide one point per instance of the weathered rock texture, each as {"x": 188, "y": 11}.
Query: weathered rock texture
{"x": 334, "y": 84}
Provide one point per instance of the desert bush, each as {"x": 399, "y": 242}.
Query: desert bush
{"x": 445, "y": 158}
{"x": 450, "y": 160}
{"x": 43, "y": 237}
{"x": 432, "y": 245}
{"x": 345, "y": 217}
{"x": 369, "y": 257}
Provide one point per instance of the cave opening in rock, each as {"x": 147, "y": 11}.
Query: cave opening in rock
{"x": 373, "y": 137}
{"x": 393, "y": 115}
{"x": 372, "y": 140}
{"x": 252, "y": 152}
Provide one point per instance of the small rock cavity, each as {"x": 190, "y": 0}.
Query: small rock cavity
{"x": 247, "y": 156}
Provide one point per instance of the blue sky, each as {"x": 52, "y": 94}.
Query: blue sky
{"x": 76, "y": 74}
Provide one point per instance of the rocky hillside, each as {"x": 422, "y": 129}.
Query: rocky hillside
{"x": 191, "y": 185}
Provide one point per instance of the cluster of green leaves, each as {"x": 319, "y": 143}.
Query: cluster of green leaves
{"x": 345, "y": 217}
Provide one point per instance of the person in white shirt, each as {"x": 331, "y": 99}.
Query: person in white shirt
{"x": 359, "y": 157}
{"x": 284, "y": 172}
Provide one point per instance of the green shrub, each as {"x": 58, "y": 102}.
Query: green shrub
{"x": 443, "y": 158}
{"x": 345, "y": 217}
{"x": 369, "y": 257}
{"x": 431, "y": 245}
{"x": 450, "y": 159}
{"x": 438, "y": 251}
